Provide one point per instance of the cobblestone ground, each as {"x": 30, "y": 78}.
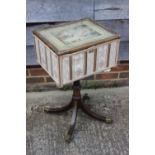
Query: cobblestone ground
{"x": 45, "y": 132}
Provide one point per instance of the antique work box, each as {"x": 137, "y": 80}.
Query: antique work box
{"x": 69, "y": 52}
{"x": 72, "y": 51}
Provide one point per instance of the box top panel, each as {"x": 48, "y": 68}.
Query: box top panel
{"x": 66, "y": 38}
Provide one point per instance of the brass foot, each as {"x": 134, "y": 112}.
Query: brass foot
{"x": 50, "y": 109}
{"x": 86, "y": 109}
{"x": 69, "y": 135}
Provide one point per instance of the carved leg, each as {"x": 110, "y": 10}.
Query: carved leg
{"x": 69, "y": 135}
{"x": 86, "y": 109}
{"x": 49, "y": 109}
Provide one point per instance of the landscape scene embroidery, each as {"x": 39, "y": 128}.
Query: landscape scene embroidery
{"x": 76, "y": 34}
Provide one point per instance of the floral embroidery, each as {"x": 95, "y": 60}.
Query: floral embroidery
{"x": 76, "y": 34}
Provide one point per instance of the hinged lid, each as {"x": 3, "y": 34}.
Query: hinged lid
{"x": 74, "y": 36}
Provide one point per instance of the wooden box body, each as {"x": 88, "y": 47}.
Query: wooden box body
{"x": 78, "y": 62}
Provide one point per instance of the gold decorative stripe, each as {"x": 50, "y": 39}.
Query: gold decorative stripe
{"x": 39, "y": 50}
{"x": 85, "y": 63}
{"x": 51, "y": 62}
{"x": 59, "y": 74}
{"x": 108, "y": 55}
{"x": 117, "y": 51}
{"x": 46, "y": 57}
{"x": 95, "y": 58}
{"x": 70, "y": 66}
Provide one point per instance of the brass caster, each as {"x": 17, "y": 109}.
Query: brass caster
{"x": 46, "y": 108}
{"x": 68, "y": 138}
{"x": 108, "y": 120}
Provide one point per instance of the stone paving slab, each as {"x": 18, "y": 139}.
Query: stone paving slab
{"x": 45, "y": 131}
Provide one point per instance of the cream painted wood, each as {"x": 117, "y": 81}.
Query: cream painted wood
{"x": 37, "y": 50}
{"x": 65, "y": 70}
{"x": 55, "y": 68}
{"x": 113, "y": 54}
{"x": 42, "y": 55}
{"x": 102, "y": 52}
{"x": 77, "y": 66}
{"x": 49, "y": 61}
{"x": 69, "y": 67}
{"x": 90, "y": 62}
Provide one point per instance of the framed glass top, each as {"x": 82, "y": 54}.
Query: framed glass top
{"x": 74, "y": 35}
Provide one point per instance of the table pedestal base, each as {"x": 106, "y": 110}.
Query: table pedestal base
{"x": 76, "y": 103}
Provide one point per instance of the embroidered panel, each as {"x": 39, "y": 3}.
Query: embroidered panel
{"x": 90, "y": 62}
{"x": 42, "y": 55}
{"x": 113, "y": 52}
{"x": 65, "y": 70}
{"x": 78, "y": 65}
{"x": 101, "y": 62}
